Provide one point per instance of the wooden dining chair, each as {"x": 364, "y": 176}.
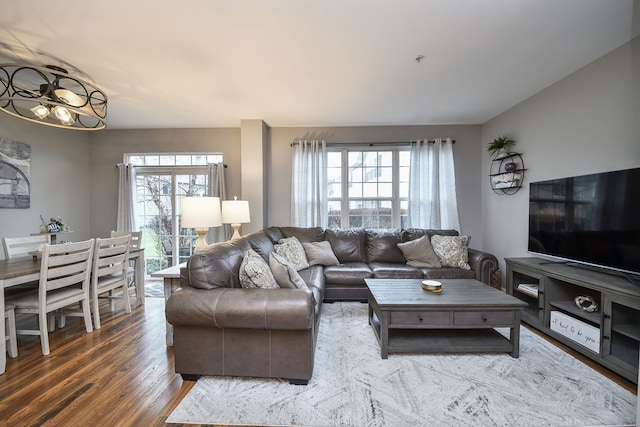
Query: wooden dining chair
{"x": 134, "y": 243}
{"x": 20, "y": 246}
{"x": 64, "y": 281}
{"x": 110, "y": 273}
{"x": 10, "y": 334}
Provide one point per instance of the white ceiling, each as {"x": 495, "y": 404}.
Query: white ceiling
{"x": 211, "y": 63}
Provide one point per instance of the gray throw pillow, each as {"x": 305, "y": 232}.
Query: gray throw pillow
{"x": 291, "y": 249}
{"x": 255, "y": 272}
{"x": 320, "y": 253}
{"x": 285, "y": 274}
{"x": 452, "y": 250}
{"x": 419, "y": 253}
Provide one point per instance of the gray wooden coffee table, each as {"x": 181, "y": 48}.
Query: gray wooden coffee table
{"x": 461, "y": 318}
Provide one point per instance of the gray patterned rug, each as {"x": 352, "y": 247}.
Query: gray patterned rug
{"x": 353, "y": 386}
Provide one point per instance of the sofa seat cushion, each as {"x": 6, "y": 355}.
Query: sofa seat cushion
{"x": 349, "y": 273}
{"x": 314, "y": 278}
{"x": 389, "y": 270}
{"x": 448, "y": 273}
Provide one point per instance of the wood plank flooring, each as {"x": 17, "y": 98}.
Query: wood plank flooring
{"x": 119, "y": 375}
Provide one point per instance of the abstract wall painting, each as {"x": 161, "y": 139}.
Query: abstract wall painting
{"x": 15, "y": 174}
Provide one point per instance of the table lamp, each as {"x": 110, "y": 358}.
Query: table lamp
{"x": 201, "y": 213}
{"x": 235, "y": 212}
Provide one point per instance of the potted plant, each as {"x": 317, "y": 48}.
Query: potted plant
{"x": 500, "y": 146}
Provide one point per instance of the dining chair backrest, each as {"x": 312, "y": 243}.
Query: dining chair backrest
{"x": 66, "y": 265}
{"x": 136, "y": 237}
{"x": 111, "y": 257}
{"x": 17, "y": 246}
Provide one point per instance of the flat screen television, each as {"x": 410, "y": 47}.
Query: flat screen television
{"x": 590, "y": 219}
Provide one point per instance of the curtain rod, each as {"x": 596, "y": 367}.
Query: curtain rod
{"x": 372, "y": 144}
{"x": 160, "y": 166}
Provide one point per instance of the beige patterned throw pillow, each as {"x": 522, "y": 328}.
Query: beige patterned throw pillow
{"x": 452, "y": 250}
{"x": 255, "y": 272}
{"x": 291, "y": 249}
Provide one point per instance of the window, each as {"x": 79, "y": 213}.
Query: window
{"x": 368, "y": 188}
{"x": 161, "y": 181}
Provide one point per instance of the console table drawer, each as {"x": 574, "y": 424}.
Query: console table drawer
{"x": 420, "y": 318}
{"x": 477, "y": 318}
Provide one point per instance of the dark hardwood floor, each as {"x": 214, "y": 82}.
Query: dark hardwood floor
{"x": 120, "y": 375}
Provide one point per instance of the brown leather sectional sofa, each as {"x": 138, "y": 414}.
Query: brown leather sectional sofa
{"x": 221, "y": 328}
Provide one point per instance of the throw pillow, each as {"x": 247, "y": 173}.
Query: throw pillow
{"x": 285, "y": 274}
{"x": 452, "y": 250}
{"x": 320, "y": 253}
{"x": 255, "y": 272}
{"x": 419, "y": 253}
{"x": 291, "y": 249}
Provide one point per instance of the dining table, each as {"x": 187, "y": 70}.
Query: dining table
{"x": 25, "y": 269}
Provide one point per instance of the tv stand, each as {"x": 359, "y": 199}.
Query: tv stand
{"x": 553, "y": 262}
{"x": 610, "y": 335}
{"x": 631, "y": 279}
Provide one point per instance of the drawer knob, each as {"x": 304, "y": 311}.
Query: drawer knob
{"x": 484, "y": 318}
{"x": 420, "y": 318}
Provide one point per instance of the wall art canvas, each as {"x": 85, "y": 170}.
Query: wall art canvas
{"x": 15, "y": 174}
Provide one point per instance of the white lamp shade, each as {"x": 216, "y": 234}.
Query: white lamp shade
{"x": 235, "y": 211}
{"x": 201, "y": 212}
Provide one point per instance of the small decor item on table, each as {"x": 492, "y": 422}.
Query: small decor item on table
{"x": 432, "y": 285}
{"x": 55, "y": 225}
{"x": 586, "y": 303}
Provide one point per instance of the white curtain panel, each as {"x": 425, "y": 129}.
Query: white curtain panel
{"x": 126, "y": 219}
{"x": 433, "y": 201}
{"x": 218, "y": 188}
{"x": 309, "y": 184}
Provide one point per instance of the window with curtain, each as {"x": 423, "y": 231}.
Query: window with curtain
{"x": 368, "y": 187}
{"x": 161, "y": 180}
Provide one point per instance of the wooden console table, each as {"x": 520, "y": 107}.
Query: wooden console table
{"x": 171, "y": 278}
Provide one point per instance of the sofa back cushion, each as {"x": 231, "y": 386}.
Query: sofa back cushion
{"x": 304, "y": 234}
{"x": 274, "y": 234}
{"x": 348, "y": 244}
{"x": 382, "y": 245}
{"x": 218, "y": 265}
{"x": 260, "y": 243}
{"x": 416, "y": 233}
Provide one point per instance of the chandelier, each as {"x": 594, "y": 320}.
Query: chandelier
{"x": 50, "y": 96}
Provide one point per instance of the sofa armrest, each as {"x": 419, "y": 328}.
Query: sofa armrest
{"x": 484, "y": 265}
{"x": 283, "y": 309}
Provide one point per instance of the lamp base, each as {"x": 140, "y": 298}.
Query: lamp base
{"x": 202, "y": 239}
{"x": 236, "y": 233}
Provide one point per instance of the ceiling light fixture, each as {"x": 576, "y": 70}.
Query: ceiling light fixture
{"x": 33, "y": 93}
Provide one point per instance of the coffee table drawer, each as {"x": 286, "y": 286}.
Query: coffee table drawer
{"x": 420, "y": 318}
{"x": 477, "y": 318}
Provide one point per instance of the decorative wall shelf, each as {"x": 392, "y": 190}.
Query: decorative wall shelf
{"x": 507, "y": 173}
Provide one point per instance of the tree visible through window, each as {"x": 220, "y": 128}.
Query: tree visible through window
{"x": 368, "y": 188}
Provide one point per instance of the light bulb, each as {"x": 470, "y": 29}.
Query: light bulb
{"x": 40, "y": 111}
{"x": 63, "y": 115}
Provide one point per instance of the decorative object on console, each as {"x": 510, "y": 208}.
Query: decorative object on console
{"x": 201, "y": 213}
{"x": 51, "y": 96}
{"x": 586, "y": 303}
{"x": 235, "y": 212}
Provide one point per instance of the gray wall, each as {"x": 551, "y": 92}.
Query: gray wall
{"x": 467, "y": 153}
{"x": 588, "y": 122}
{"x": 108, "y": 147}
{"x": 59, "y": 178}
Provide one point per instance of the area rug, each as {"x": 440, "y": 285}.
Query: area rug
{"x": 353, "y": 386}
